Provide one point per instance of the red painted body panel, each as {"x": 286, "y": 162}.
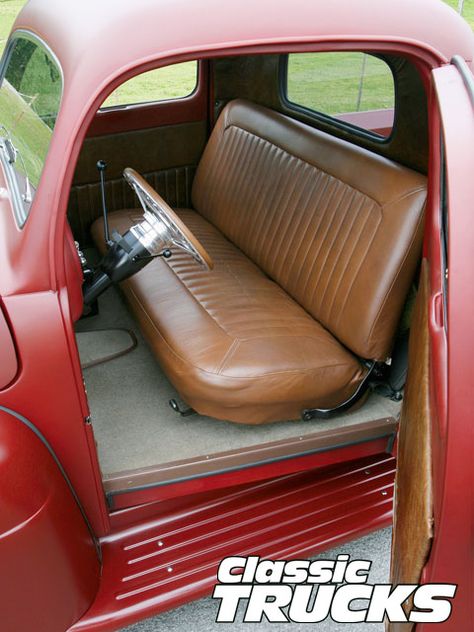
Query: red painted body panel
{"x": 9, "y": 361}
{"x": 378, "y": 121}
{"x": 36, "y": 271}
{"x": 288, "y": 517}
{"x": 452, "y": 558}
{"x": 46, "y": 550}
{"x": 46, "y": 391}
{"x": 74, "y": 276}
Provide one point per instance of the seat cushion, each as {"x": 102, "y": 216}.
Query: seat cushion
{"x": 338, "y": 227}
{"x": 234, "y": 344}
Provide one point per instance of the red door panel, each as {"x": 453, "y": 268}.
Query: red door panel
{"x": 451, "y": 557}
{"x": 449, "y": 246}
{"x": 49, "y": 569}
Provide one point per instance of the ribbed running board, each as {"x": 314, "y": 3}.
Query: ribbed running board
{"x": 171, "y": 560}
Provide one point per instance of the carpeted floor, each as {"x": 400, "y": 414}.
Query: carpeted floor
{"x": 103, "y": 345}
{"x": 133, "y": 423}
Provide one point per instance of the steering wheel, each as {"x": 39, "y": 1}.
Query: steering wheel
{"x": 162, "y": 228}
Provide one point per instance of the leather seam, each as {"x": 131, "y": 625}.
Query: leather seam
{"x": 354, "y": 245}
{"x": 232, "y": 377}
{"x": 244, "y": 288}
{"x": 229, "y": 353}
{"x": 359, "y": 267}
{"x": 292, "y": 336}
{"x": 405, "y": 195}
{"x": 232, "y": 272}
{"x": 196, "y": 300}
{"x": 399, "y": 272}
{"x": 331, "y": 237}
{"x": 319, "y": 167}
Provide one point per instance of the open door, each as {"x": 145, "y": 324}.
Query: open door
{"x": 433, "y": 527}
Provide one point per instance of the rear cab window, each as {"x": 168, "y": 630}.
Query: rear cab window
{"x": 30, "y": 95}
{"x": 350, "y": 88}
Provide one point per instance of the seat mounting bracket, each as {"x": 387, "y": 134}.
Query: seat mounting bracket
{"x": 184, "y": 412}
{"x": 328, "y": 413}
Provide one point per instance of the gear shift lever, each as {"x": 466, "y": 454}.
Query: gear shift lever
{"x": 101, "y": 167}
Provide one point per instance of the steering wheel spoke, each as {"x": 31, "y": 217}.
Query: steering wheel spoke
{"x": 164, "y": 229}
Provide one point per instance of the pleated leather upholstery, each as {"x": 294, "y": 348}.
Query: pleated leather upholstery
{"x": 232, "y": 342}
{"x": 314, "y": 241}
{"x": 338, "y": 227}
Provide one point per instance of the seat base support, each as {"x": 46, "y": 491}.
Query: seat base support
{"x": 184, "y": 412}
{"x": 328, "y": 413}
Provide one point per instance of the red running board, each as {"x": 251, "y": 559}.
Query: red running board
{"x": 173, "y": 559}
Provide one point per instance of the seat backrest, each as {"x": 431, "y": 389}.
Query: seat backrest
{"x": 337, "y": 226}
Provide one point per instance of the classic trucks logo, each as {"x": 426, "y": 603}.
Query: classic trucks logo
{"x": 306, "y": 591}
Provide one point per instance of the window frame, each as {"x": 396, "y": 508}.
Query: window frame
{"x": 327, "y": 119}
{"x": 153, "y": 102}
{"x": 19, "y": 211}
{"x": 115, "y": 120}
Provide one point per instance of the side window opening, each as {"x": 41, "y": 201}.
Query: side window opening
{"x": 354, "y": 88}
{"x": 162, "y": 84}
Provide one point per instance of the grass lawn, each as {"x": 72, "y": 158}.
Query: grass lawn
{"x": 9, "y": 9}
{"x": 468, "y": 10}
{"x": 170, "y": 82}
{"x": 330, "y": 84}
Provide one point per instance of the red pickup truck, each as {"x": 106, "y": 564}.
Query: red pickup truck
{"x": 233, "y": 320}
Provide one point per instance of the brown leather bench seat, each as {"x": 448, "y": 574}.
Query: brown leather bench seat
{"x": 315, "y": 242}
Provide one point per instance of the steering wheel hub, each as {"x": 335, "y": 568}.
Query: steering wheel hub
{"x": 152, "y": 234}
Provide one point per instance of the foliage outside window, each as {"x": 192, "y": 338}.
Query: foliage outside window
{"x": 30, "y": 95}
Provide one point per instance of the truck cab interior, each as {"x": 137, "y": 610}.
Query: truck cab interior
{"x": 308, "y": 198}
